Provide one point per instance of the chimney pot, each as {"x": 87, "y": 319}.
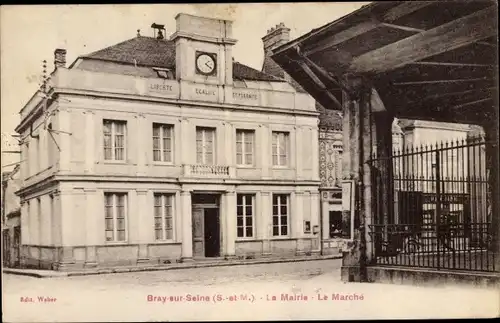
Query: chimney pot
{"x": 60, "y": 58}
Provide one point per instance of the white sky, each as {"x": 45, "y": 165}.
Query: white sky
{"x": 29, "y": 34}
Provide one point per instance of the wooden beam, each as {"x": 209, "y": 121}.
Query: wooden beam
{"x": 455, "y": 34}
{"x": 405, "y": 28}
{"x": 443, "y": 101}
{"x": 451, "y": 64}
{"x": 487, "y": 44}
{"x": 392, "y": 14}
{"x": 441, "y": 81}
{"x": 316, "y": 80}
{"x": 343, "y": 36}
{"x": 406, "y": 8}
{"x": 448, "y": 94}
{"x": 471, "y": 103}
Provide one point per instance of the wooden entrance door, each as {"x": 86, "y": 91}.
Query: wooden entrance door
{"x": 198, "y": 233}
{"x": 212, "y": 232}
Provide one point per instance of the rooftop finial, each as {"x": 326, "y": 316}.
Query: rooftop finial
{"x": 158, "y": 30}
{"x": 138, "y": 32}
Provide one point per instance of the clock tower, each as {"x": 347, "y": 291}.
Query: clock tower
{"x": 203, "y": 50}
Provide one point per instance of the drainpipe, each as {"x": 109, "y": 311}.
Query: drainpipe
{"x": 321, "y": 228}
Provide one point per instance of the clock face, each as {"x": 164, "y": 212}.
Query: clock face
{"x": 205, "y": 64}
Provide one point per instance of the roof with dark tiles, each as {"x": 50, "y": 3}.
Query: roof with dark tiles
{"x": 152, "y": 52}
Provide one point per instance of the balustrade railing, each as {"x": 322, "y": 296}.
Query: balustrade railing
{"x": 208, "y": 170}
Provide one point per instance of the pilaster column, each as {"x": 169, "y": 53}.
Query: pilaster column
{"x": 90, "y": 141}
{"x": 315, "y": 220}
{"x": 33, "y": 222}
{"x": 45, "y": 221}
{"x": 91, "y": 227}
{"x": 265, "y": 150}
{"x": 266, "y": 221}
{"x": 43, "y": 160}
{"x": 325, "y": 216}
{"x": 230, "y": 217}
{"x": 145, "y": 224}
{"x": 66, "y": 255}
{"x": 186, "y": 141}
{"x": 64, "y": 118}
{"x": 187, "y": 226}
{"x": 142, "y": 136}
{"x": 298, "y": 152}
{"x": 297, "y": 214}
{"x": 25, "y": 223}
{"x": 315, "y": 153}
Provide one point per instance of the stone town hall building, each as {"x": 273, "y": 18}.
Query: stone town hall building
{"x": 157, "y": 150}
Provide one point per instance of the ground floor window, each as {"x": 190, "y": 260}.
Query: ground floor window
{"x": 245, "y": 212}
{"x": 335, "y": 223}
{"x": 281, "y": 213}
{"x": 115, "y": 216}
{"x": 163, "y": 213}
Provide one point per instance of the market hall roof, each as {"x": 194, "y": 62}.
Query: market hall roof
{"x": 139, "y": 55}
{"x": 434, "y": 60}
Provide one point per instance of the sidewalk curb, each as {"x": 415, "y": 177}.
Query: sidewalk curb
{"x": 55, "y": 274}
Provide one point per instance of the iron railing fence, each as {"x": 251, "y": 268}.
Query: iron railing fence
{"x": 431, "y": 207}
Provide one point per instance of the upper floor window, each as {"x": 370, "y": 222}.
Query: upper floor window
{"x": 162, "y": 142}
{"x": 115, "y": 132}
{"x": 205, "y": 145}
{"x": 115, "y": 214}
{"x": 245, "y": 147}
{"x": 280, "y": 148}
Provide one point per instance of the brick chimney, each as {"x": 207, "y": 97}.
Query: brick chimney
{"x": 275, "y": 37}
{"x": 59, "y": 58}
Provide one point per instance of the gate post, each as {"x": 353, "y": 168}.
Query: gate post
{"x": 492, "y": 165}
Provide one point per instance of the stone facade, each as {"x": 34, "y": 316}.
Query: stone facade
{"x": 140, "y": 158}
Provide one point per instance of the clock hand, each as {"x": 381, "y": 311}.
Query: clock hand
{"x": 206, "y": 63}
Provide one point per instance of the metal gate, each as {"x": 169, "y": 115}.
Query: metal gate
{"x": 431, "y": 207}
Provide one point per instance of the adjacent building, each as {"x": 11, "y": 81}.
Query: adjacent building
{"x": 11, "y": 224}
{"x": 160, "y": 150}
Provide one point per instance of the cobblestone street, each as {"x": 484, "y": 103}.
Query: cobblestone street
{"x": 298, "y": 290}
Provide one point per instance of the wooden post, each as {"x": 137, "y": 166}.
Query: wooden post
{"x": 363, "y": 129}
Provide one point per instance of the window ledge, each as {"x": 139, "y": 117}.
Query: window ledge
{"x": 116, "y": 243}
{"x": 162, "y": 163}
{"x": 251, "y": 239}
{"x": 281, "y": 238}
{"x": 246, "y": 166}
{"x": 115, "y": 162}
{"x": 164, "y": 242}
